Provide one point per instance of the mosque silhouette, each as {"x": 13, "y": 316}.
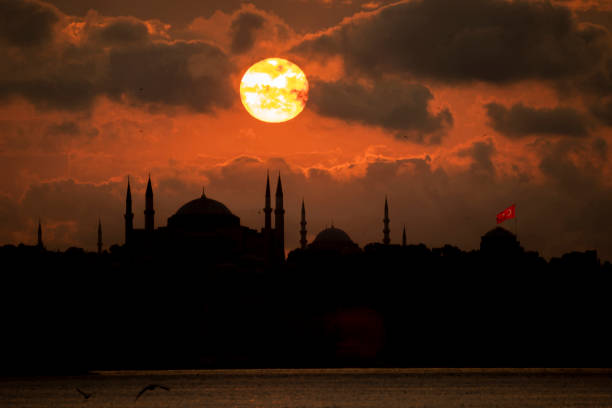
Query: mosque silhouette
{"x": 207, "y": 226}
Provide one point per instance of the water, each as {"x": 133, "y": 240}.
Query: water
{"x": 345, "y": 388}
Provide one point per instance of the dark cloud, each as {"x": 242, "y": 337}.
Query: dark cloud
{"x": 59, "y": 91}
{"x": 394, "y": 105}
{"x": 192, "y": 74}
{"x": 122, "y": 30}
{"x": 488, "y": 40}
{"x": 117, "y": 57}
{"x": 26, "y": 23}
{"x": 481, "y": 154}
{"x": 521, "y": 120}
{"x": 243, "y": 29}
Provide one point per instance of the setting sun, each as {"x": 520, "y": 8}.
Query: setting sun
{"x": 274, "y": 90}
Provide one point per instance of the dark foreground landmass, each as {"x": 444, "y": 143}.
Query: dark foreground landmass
{"x": 411, "y": 306}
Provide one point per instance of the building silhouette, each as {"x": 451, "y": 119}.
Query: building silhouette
{"x": 205, "y": 228}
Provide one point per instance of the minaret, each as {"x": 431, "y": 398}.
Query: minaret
{"x": 279, "y": 221}
{"x": 268, "y": 207}
{"x": 303, "y": 241}
{"x": 404, "y": 236}
{"x": 149, "y": 211}
{"x": 386, "y": 239}
{"x": 39, "y": 244}
{"x": 129, "y": 215}
{"x": 99, "y": 236}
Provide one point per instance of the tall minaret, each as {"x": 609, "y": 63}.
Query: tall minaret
{"x": 39, "y": 244}
{"x": 149, "y": 211}
{"x": 386, "y": 239}
{"x": 268, "y": 207}
{"x": 404, "y": 236}
{"x": 129, "y": 215}
{"x": 303, "y": 241}
{"x": 279, "y": 221}
{"x": 99, "y": 236}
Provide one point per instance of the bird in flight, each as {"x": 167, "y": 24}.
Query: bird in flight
{"x": 151, "y": 387}
{"x": 84, "y": 394}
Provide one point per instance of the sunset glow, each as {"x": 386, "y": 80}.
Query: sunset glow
{"x": 274, "y": 90}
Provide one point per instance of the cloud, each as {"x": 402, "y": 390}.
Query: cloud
{"x": 243, "y": 29}
{"x": 127, "y": 59}
{"x": 191, "y": 74}
{"x": 520, "y": 121}
{"x": 27, "y": 23}
{"x": 460, "y": 41}
{"x": 120, "y": 30}
{"x": 394, "y": 105}
{"x": 481, "y": 154}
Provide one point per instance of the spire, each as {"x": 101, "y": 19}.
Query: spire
{"x": 149, "y": 187}
{"x": 99, "y": 236}
{"x": 128, "y": 198}
{"x": 386, "y": 239}
{"x": 40, "y": 242}
{"x": 404, "y": 236}
{"x": 279, "y": 222}
{"x": 149, "y": 211}
{"x": 279, "y": 187}
{"x": 268, "y": 207}
{"x": 303, "y": 240}
{"x": 129, "y": 215}
{"x": 203, "y": 192}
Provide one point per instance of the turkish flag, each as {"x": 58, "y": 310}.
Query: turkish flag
{"x": 508, "y": 213}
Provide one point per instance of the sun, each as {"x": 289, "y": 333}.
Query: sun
{"x": 274, "y": 90}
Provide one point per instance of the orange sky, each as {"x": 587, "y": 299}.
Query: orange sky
{"x": 451, "y": 139}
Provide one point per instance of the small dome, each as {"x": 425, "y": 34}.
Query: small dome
{"x": 332, "y": 235}
{"x": 204, "y": 206}
{"x": 499, "y": 232}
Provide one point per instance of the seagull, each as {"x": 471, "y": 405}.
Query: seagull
{"x": 151, "y": 387}
{"x": 84, "y": 394}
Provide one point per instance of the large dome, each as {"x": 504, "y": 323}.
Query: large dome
{"x": 204, "y": 206}
{"x": 332, "y": 235}
{"x": 203, "y": 214}
{"x": 334, "y": 239}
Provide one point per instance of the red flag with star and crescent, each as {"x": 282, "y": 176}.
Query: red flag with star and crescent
{"x": 508, "y": 213}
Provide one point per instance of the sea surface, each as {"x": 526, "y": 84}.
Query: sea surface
{"x": 319, "y": 388}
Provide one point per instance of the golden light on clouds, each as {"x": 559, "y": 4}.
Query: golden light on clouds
{"x": 274, "y": 90}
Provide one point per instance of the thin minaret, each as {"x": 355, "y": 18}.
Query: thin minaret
{"x": 386, "y": 230}
{"x": 129, "y": 215}
{"x": 268, "y": 207}
{"x": 40, "y": 241}
{"x": 99, "y": 236}
{"x": 404, "y": 236}
{"x": 303, "y": 241}
{"x": 279, "y": 221}
{"x": 149, "y": 211}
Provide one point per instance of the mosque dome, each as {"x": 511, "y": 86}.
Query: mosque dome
{"x": 203, "y": 214}
{"x": 332, "y": 235}
{"x": 204, "y": 206}
{"x": 333, "y": 238}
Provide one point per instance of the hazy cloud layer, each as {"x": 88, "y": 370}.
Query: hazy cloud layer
{"x": 520, "y": 120}
{"x": 401, "y": 108}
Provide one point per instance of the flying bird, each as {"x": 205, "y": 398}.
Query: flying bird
{"x": 151, "y": 387}
{"x": 84, "y": 394}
